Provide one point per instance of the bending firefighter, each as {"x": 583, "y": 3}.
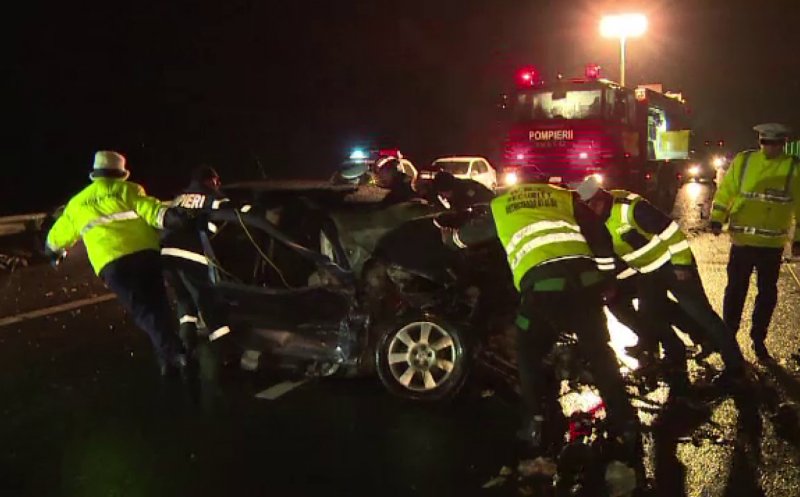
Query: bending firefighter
{"x": 758, "y": 197}
{"x": 118, "y": 223}
{"x": 561, "y": 257}
{"x": 653, "y": 246}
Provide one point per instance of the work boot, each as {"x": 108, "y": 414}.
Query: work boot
{"x": 640, "y": 351}
{"x": 705, "y": 349}
{"x": 730, "y": 381}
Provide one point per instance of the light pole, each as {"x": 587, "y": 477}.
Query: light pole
{"x": 623, "y": 26}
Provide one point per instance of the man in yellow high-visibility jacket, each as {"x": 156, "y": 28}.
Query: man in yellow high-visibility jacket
{"x": 758, "y": 198}
{"x": 118, "y": 223}
{"x": 561, "y": 258}
{"x": 653, "y": 246}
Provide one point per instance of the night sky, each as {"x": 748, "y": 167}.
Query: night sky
{"x": 293, "y": 85}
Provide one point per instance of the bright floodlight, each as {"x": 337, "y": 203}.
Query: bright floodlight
{"x": 623, "y": 25}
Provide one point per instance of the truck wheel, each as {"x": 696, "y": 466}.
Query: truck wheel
{"x": 422, "y": 359}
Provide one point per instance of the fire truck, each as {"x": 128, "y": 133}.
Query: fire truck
{"x": 569, "y": 129}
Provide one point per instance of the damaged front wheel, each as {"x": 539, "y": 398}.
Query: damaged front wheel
{"x": 422, "y": 359}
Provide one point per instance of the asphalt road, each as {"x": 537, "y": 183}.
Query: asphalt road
{"x": 83, "y": 413}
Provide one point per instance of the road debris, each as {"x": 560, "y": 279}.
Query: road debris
{"x": 541, "y": 466}
{"x": 11, "y": 262}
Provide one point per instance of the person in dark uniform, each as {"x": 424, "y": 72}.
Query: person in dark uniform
{"x": 459, "y": 194}
{"x": 388, "y": 175}
{"x": 186, "y": 266}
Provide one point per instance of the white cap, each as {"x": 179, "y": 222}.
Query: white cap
{"x": 772, "y": 131}
{"x": 108, "y": 164}
{"x": 588, "y": 188}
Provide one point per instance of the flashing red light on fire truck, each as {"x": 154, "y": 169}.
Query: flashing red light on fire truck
{"x": 592, "y": 71}
{"x": 527, "y": 77}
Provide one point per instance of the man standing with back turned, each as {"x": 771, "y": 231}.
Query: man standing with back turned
{"x": 758, "y": 197}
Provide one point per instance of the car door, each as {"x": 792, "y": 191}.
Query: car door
{"x": 267, "y": 280}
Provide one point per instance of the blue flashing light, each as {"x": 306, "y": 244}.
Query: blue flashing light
{"x": 358, "y": 154}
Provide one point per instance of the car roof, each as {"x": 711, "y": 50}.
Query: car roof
{"x": 321, "y": 190}
{"x": 460, "y": 158}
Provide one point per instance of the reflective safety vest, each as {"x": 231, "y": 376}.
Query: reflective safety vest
{"x": 536, "y": 224}
{"x": 641, "y": 250}
{"x": 113, "y": 217}
{"x": 758, "y": 198}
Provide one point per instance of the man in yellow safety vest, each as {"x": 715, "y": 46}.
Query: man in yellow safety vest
{"x": 758, "y": 198}
{"x": 653, "y": 245}
{"x": 561, "y": 258}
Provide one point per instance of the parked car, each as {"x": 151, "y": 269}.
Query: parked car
{"x": 325, "y": 277}
{"x": 474, "y": 168}
{"x": 700, "y": 172}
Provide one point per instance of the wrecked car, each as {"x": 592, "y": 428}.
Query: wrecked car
{"x": 332, "y": 278}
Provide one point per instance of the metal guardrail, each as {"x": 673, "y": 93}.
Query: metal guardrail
{"x": 12, "y": 225}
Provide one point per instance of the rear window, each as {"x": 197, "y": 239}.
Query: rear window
{"x": 452, "y": 167}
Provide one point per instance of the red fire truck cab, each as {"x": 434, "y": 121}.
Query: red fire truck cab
{"x": 636, "y": 139}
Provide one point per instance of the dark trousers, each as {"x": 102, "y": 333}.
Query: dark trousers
{"x": 652, "y": 322}
{"x": 767, "y": 264}
{"x": 692, "y": 299}
{"x": 542, "y": 316}
{"x": 138, "y": 282}
{"x": 194, "y": 296}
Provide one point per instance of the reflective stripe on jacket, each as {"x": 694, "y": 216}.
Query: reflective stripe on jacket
{"x": 114, "y": 218}
{"x": 641, "y": 249}
{"x": 184, "y": 241}
{"x": 758, "y": 198}
{"x": 536, "y": 224}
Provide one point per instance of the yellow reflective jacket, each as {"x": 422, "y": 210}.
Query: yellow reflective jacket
{"x": 536, "y": 224}
{"x": 113, "y": 217}
{"x": 758, "y": 197}
{"x": 642, "y": 249}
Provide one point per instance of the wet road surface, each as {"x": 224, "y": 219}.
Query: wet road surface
{"x": 83, "y": 412}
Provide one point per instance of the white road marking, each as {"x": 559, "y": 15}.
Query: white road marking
{"x": 25, "y": 316}
{"x": 280, "y": 389}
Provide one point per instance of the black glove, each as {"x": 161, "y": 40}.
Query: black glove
{"x": 179, "y": 217}
{"x": 610, "y": 292}
{"x": 683, "y": 273}
{"x": 716, "y": 227}
{"x": 55, "y": 257}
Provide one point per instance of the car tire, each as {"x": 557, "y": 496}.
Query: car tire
{"x": 423, "y": 358}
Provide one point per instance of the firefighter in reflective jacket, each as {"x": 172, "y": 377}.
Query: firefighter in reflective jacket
{"x": 117, "y": 223}
{"x": 652, "y": 244}
{"x": 185, "y": 264}
{"x": 758, "y": 197}
{"x": 561, "y": 258}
